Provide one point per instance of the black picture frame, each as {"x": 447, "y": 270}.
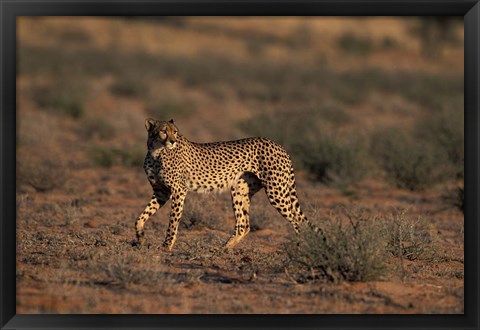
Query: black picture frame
{"x": 10, "y": 10}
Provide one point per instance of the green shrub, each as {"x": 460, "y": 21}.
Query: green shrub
{"x": 408, "y": 163}
{"x": 110, "y": 156}
{"x": 350, "y": 246}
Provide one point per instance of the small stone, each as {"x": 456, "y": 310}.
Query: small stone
{"x": 90, "y": 224}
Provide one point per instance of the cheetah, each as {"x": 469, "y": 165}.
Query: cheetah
{"x": 175, "y": 166}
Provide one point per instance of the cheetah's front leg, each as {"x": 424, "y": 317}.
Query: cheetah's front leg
{"x": 175, "y": 214}
{"x": 158, "y": 200}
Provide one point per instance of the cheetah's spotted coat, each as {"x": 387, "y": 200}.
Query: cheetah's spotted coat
{"x": 175, "y": 166}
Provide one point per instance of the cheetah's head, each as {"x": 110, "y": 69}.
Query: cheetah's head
{"x": 161, "y": 135}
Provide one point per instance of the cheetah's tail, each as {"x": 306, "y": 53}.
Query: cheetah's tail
{"x": 297, "y": 211}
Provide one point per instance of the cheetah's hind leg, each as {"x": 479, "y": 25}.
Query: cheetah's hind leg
{"x": 246, "y": 186}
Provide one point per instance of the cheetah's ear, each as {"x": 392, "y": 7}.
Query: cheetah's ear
{"x": 150, "y": 122}
{"x": 171, "y": 121}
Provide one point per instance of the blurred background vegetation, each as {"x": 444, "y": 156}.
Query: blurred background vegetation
{"x": 349, "y": 98}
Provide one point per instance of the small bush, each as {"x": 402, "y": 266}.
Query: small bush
{"x": 127, "y": 88}
{"x": 110, "y": 156}
{"x": 445, "y": 131}
{"x": 434, "y": 32}
{"x": 409, "y": 164}
{"x": 389, "y": 43}
{"x": 166, "y": 109}
{"x": 273, "y": 125}
{"x": 456, "y": 198}
{"x": 125, "y": 272}
{"x": 301, "y": 37}
{"x": 350, "y": 246}
{"x": 74, "y": 36}
{"x": 355, "y": 45}
{"x": 42, "y": 175}
{"x": 332, "y": 159}
{"x": 60, "y": 98}
{"x": 409, "y": 239}
{"x": 96, "y": 128}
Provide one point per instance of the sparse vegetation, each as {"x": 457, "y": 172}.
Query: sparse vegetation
{"x": 409, "y": 238}
{"x": 128, "y": 87}
{"x": 349, "y": 247}
{"x": 167, "y": 109}
{"x": 456, "y": 198}
{"x": 434, "y": 32}
{"x": 408, "y": 163}
{"x": 445, "y": 132}
{"x": 125, "y": 272}
{"x": 355, "y": 45}
{"x": 110, "y": 156}
{"x": 354, "y": 245}
{"x": 334, "y": 159}
{"x": 43, "y": 175}
{"x": 62, "y": 98}
{"x": 96, "y": 128}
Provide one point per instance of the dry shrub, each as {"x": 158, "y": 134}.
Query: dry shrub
{"x": 350, "y": 246}
{"x": 96, "y": 128}
{"x": 444, "y": 130}
{"x": 165, "y": 109}
{"x": 355, "y": 45}
{"x": 130, "y": 86}
{"x": 458, "y": 198}
{"x": 107, "y": 156}
{"x": 353, "y": 245}
{"x": 62, "y": 97}
{"x": 334, "y": 159}
{"x": 43, "y": 175}
{"x": 409, "y": 238}
{"x": 127, "y": 271}
{"x": 203, "y": 210}
{"x": 408, "y": 163}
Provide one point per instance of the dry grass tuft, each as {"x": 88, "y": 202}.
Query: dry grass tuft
{"x": 349, "y": 247}
{"x": 409, "y": 238}
{"x": 43, "y": 175}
